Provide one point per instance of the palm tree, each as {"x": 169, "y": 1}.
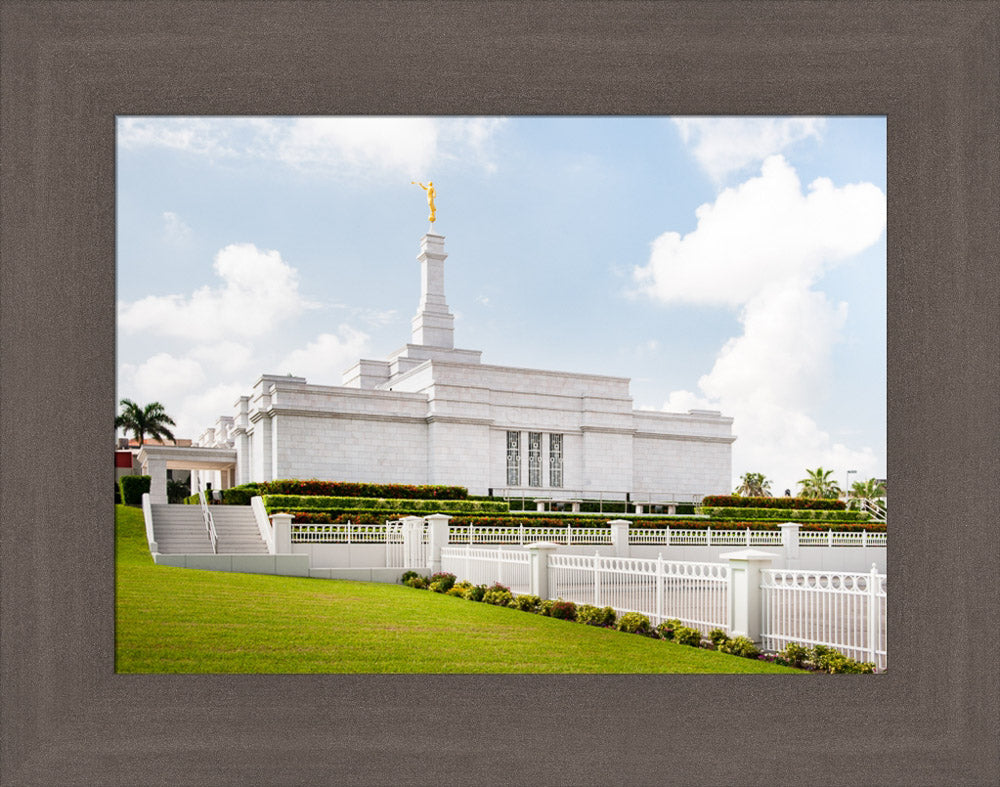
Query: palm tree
{"x": 872, "y": 489}
{"x": 150, "y": 420}
{"x": 754, "y": 485}
{"x": 818, "y": 483}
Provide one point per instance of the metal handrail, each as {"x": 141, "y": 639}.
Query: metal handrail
{"x": 209, "y": 523}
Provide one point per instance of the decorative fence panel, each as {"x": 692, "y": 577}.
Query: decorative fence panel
{"x": 689, "y": 537}
{"x": 832, "y": 538}
{"x": 846, "y": 611}
{"x": 486, "y": 566}
{"x": 694, "y": 593}
{"x": 339, "y": 534}
{"x": 406, "y": 544}
{"x": 523, "y": 534}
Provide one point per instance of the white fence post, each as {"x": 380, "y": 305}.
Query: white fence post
{"x": 744, "y": 591}
{"x": 282, "y": 533}
{"x": 438, "y": 526}
{"x": 540, "y": 552}
{"x": 659, "y": 588}
{"x": 619, "y": 537}
{"x": 873, "y": 614}
{"x": 708, "y": 535}
{"x": 597, "y": 578}
{"x": 790, "y": 543}
{"x": 668, "y": 536}
{"x": 520, "y": 534}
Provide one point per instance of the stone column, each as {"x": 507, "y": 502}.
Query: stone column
{"x": 619, "y": 537}
{"x": 744, "y": 591}
{"x": 282, "y": 533}
{"x": 539, "y": 562}
{"x": 438, "y": 527}
{"x": 790, "y": 542}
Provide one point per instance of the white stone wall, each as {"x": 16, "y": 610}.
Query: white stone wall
{"x": 681, "y": 466}
{"x": 351, "y": 449}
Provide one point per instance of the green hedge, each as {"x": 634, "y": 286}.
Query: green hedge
{"x": 131, "y": 488}
{"x": 320, "y": 503}
{"x": 352, "y": 489}
{"x": 787, "y": 514}
{"x": 369, "y": 517}
{"x": 798, "y": 503}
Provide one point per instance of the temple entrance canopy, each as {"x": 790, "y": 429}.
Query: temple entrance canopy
{"x": 157, "y": 459}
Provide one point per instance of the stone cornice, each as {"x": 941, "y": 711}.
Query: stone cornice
{"x": 697, "y": 438}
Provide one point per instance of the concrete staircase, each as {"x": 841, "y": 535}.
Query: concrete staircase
{"x": 180, "y": 529}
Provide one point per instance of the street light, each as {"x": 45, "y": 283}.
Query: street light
{"x": 847, "y": 488}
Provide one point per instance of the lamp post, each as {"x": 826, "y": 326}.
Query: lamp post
{"x": 847, "y": 488}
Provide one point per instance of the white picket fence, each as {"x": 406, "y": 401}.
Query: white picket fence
{"x": 846, "y": 611}
{"x": 372, "y": 534}
{"x": 510, "y": 568}
{"x": 694, "y": 593}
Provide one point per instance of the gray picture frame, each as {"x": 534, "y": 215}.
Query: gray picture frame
{"x": 66, "y": 71}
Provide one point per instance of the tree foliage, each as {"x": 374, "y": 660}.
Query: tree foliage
{"x": 754, "y": 485}
{"x": 151, "y": 420}
{"x": 819, "y": 483}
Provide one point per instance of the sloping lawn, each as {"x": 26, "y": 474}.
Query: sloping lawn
{"x": 188, "y": 621}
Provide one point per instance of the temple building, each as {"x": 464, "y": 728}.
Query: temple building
{"x": 432, "y": 413}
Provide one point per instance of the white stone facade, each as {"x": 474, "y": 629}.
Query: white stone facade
{"x": 434, "y": 414}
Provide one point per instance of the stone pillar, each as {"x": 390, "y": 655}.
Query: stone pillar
{"x": 156, "y": 469}
{"x": 619, "y": 537}
{"x": 539, "y": 563}
{"x": 744, "y": 591}
{"x": 413, "y": 532}
{"x": 438, "y": 527}
{"x": 282, "y": 533}
{"x": 790, "y": 542}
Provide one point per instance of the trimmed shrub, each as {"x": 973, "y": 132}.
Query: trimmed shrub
{"x": 459, "y": 592}
{"x": 240, "y": 495}
{"x": 498, "y": 595}
{"x": 118, "y": 493}
{"x": 421, "y": 583}
{"x": 563, "y": 610}
{"x": 826, "y": 659}
{"x": 685, "y": 635}
{"x": 394, "y": 505}
{"x": 634, "y": 623}
{"x": 443, "y": 578}
{"x": 526, "y": 602}
{"x": 545, "y": 606}
{"x": 293, "y": 486}
{"x": 131, "y": 488}
{"x": 786, "y": 514}
{"x": 807, "y": 503}
{"x": 474, "y": 592}
{"x": 793, "y": 655}
{"x": 408, "y": 575}
{"x": 668, "y": 627}
{"x": 740, "y": 646}
{"x": 595, "y": 616}
{"x": 718, "y": 637}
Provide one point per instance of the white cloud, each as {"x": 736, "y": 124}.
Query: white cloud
{"x": 324, "y": 360}
{"x": 350, "y": 147}
{"x": 761, "y": 247}
{"x": 259, "y": 291}
{"x": 727, "y": 145}
{"x": 761, "y": 232}
{"x": 201, "y": 409}
{"x": 163, "y": 377}
{"x": 175, "y": 230}
{"x": 226, "y": 357}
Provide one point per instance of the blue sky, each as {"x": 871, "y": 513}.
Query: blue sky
{"x": 731, "y": 263}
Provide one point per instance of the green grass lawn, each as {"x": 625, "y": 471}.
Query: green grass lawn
{"x": 189, "y": 621}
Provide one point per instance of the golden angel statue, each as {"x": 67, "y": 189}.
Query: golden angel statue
{"x": 431, "y": 194}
